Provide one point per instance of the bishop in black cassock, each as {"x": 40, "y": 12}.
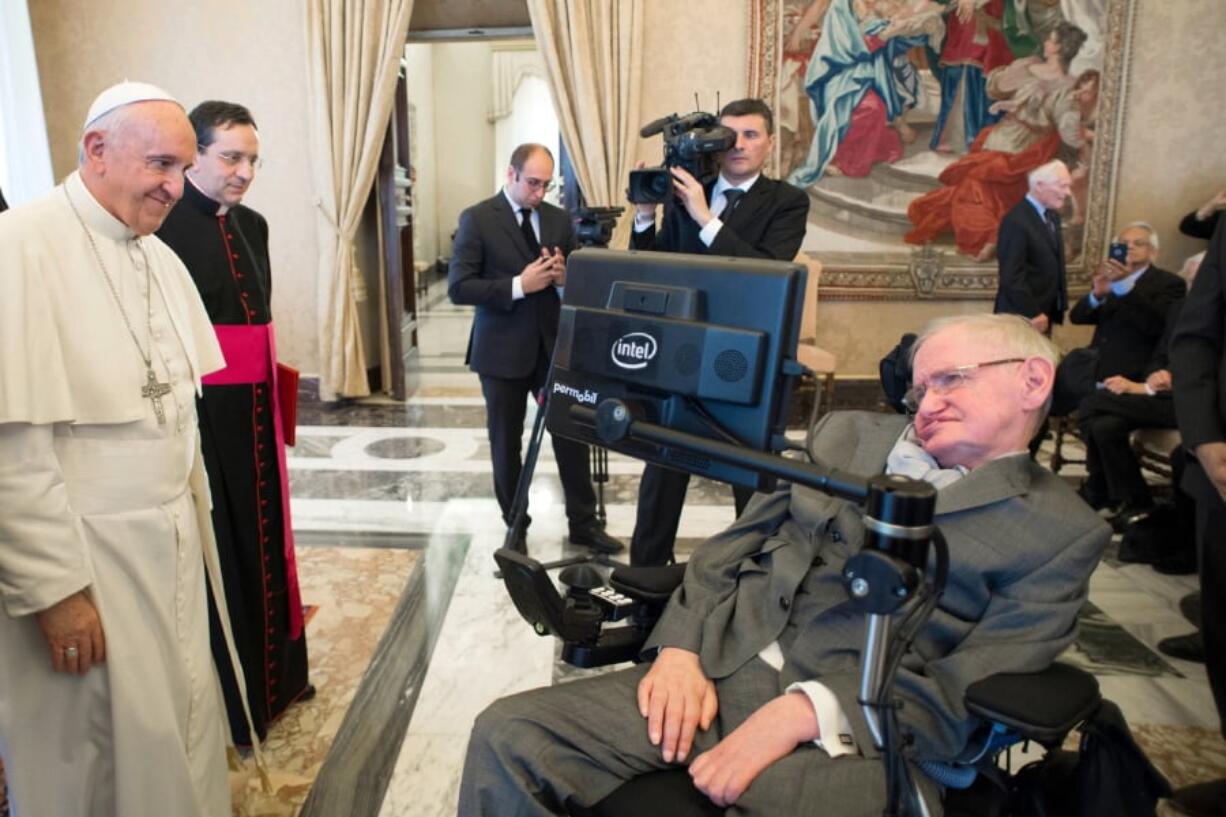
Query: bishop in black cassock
{"x": 225, "y": 248}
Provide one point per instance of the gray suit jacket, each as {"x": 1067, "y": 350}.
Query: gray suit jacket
{"x": 1022, "y": 547}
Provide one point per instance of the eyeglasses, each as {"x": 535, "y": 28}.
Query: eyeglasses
{"x": 234, "y": 158}
{"x": 948, "y": 380}
{"x": 544, "y": 185}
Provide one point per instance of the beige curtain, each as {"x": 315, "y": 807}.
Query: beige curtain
{"x": 354, "y": 49}
{"x": 593, "y": 58}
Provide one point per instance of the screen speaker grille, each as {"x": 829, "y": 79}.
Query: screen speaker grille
{"x": 731, "y": 365}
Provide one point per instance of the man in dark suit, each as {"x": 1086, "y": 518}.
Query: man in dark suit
{"x": 1198, "y": 365}
{"x": 508, "y": 260}
{"x": 1128, "y": 305}
{"x": 224, "y": 245}
{"x": 755, "y": 683}
{"x": 1030, "y": 251}
{"x": 741, "y": 214}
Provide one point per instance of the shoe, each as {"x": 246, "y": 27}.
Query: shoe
{"x": 1124, "y": 515}
{"x": 1190, "y": 647}
{"x": 595, "y": 537}
{"x": 1201, "y": 799}
{"x": 1189, "y": 605}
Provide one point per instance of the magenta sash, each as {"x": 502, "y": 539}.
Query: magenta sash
{"x": 250, "y": 352}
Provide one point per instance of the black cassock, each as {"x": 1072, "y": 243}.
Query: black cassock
{"x": 227, "y": 256}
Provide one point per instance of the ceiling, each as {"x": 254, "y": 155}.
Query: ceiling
{"x": 432, "y": 15}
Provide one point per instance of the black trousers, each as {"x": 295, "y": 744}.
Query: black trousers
{"x": 1210, "y": 522}
{"x": 505, "y": 409}
{"x": 661, "y": 497}
{"x": 1106, "y": 421}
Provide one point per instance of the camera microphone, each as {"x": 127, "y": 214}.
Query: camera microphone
{"x": 656, "y": 126}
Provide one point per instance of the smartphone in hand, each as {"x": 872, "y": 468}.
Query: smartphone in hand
{"x": 1118, "y": 252}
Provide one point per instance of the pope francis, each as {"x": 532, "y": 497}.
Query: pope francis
{"x": 109, "y": 702}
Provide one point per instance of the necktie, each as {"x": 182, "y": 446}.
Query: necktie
{"x": 1050, "y": 217}
{"x": 525, "y": 226}
{"x": 731, "y": 196}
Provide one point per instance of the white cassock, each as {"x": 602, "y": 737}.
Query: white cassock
{"x": 96, "y": 494}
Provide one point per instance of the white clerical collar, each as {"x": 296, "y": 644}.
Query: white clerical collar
{"x": 723, "y": 184}
{"x": 93, "y": 213}
{"x": 222, "y": 209}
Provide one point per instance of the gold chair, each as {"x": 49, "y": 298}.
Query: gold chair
{"x": 817, "y": 360}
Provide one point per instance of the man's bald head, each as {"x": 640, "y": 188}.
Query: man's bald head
{"x": 133, "y": 159}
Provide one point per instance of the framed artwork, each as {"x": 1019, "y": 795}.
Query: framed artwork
{"x": 912, "y": 125}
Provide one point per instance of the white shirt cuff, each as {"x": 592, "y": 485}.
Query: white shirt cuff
{"x": 707, "y": 233}
{"x": 643, "y": 222}
{"x": 1094, "y": 302}
{"x": 517, "y": 288}
{"x": 835, "y": 735}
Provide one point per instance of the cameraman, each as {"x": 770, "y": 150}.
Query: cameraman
{"x": 743, "y": 214}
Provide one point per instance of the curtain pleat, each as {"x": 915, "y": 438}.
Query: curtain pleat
{"x": 354, "y": 49}
{"x": 592, "y": 52}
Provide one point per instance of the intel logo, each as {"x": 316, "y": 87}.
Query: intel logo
{"x": 634, "y": 351}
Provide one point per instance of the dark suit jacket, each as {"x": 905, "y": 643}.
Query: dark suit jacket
{"x": 1033, "y": 280}
{"x": 1022, "y": 547}
{"x": 768, "y": 222}
{"x": 1198, "y": 357}
{"x": 1127, "y": 330}
{"x": 507, "y": 335}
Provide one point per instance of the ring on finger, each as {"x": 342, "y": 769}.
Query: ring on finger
{"x": 71, "y": 652}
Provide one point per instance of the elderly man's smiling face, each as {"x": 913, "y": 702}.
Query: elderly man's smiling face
{"x": 137, "y": 165}
{"x": 970, "y": 416}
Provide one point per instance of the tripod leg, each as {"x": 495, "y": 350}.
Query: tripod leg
{"x": 519, "y": 507}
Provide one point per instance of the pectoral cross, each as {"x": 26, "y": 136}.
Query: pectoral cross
{"x": 155, "y": 391}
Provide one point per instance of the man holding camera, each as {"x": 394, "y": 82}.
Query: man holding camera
{"x": 743, "y": 214}
{"x": 1127, "y": 304}
{"x": 508, "y": 260}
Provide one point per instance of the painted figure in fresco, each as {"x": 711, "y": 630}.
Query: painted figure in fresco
{"x": 975, "y": 46}
{"x": 1041, "y": 113}
{"x": 861, "y": 82}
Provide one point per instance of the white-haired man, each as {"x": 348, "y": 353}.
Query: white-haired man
{"x": 756, "y": 678}
{"x": 1129, "y": 305}
{"x": 109, "y": 702}
{"x": 1030, "y": 251}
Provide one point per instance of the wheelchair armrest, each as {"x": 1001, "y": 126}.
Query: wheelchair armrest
{"x": 654, "y": 585}
{"x": 1040, "y": 706}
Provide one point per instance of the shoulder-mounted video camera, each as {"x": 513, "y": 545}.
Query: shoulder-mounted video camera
{"x": 594, "y": 225}
{"x": 693, "y": 141}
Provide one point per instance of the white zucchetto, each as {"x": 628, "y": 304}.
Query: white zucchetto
{"x": 125, "y": 93}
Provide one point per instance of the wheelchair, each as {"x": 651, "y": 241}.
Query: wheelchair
{"x": 1043, "y": 707}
